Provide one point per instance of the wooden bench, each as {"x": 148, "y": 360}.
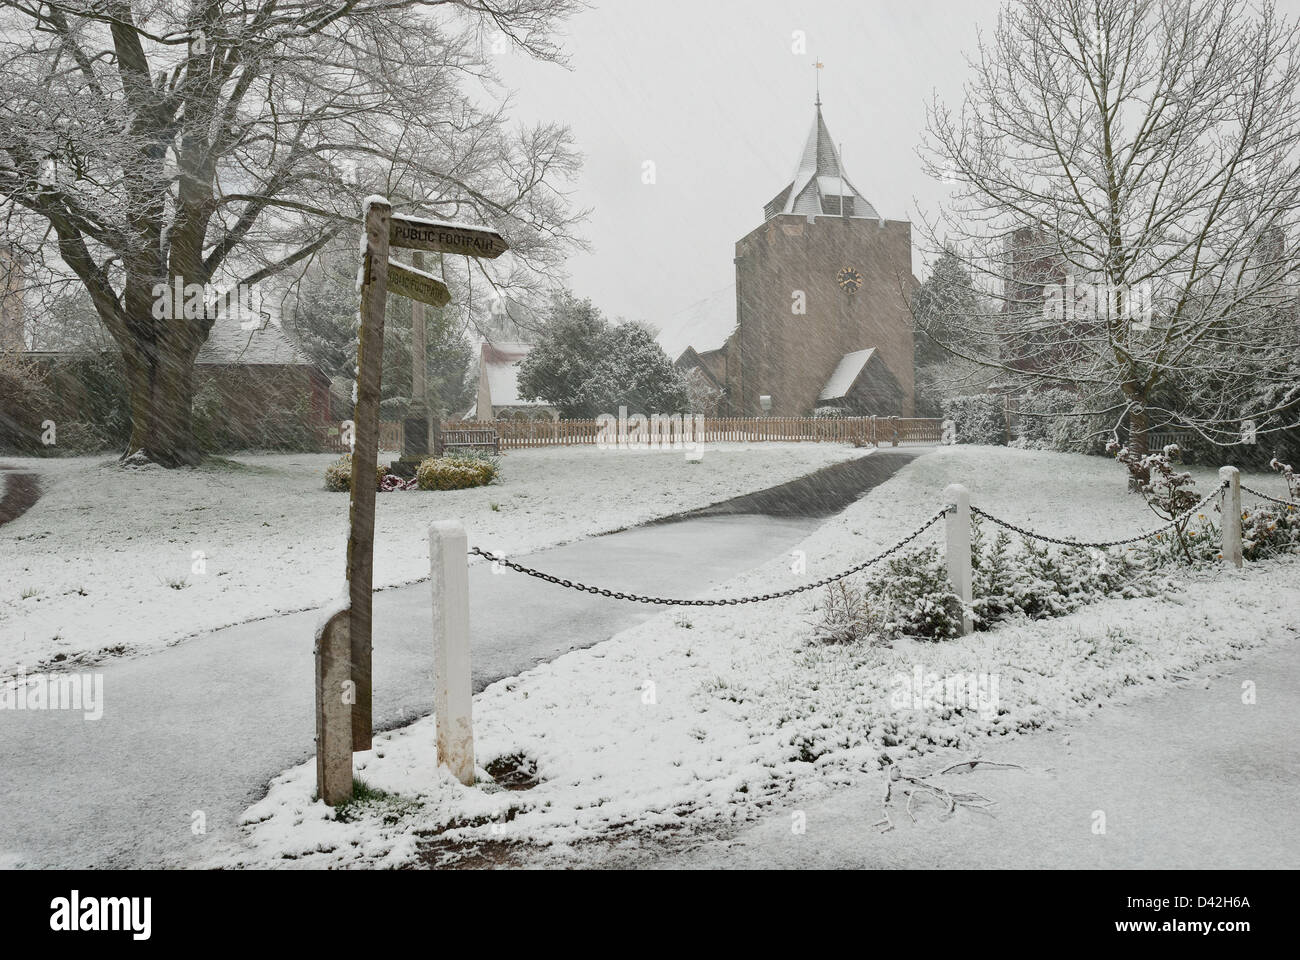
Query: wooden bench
{"x": 479, "y": 439}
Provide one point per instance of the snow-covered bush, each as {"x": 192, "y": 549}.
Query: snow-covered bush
{"x": 1051, "y": 420}
{"x": 1168, "y": 492}
{"x": 456, "y": 472}
{"x": 338, "y": 475}
{"x": 917, "y": 596}
{"x": 1269, "y": 532}
{"x": 1266, "y": 532}
{"x": 847, "y": 617}
{"x": 911, "y": 596}
{"x": 1037, "y": 581}
{"x": 24, "y": 398}
{"x": 1288, "y": 474}
{"x": 978, "y": 419}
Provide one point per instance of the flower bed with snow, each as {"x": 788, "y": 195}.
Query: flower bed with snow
{"x": 703, "y": 717}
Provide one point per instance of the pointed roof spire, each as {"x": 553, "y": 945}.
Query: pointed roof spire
{"x": 821, "y": 186}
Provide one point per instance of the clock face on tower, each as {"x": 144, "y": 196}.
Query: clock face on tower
{"x": 849, "y": 279}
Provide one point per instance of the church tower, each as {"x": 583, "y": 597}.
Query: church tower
{"x": 822, "y": 293}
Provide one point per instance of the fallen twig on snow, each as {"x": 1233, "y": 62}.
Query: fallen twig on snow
{"x": 921, "y": 786}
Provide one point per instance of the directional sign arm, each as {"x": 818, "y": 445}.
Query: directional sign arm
{"x": 442, "y": 236}
{"x": 409, "y": 282}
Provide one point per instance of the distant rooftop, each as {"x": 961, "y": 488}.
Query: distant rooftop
{"x": 262, "y": 343}
{"x": 499, "y": 363}
{"x": 228, "y": 343}
{"x": 846, "y": 373}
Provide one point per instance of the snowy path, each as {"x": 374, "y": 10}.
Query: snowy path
{"x": 1192, "y": 779}
{"x": 203, "y": 725}
{"x": 19, "y": 490}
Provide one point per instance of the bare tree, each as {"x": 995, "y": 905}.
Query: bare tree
{"x": 221, "y": 143}
{"x": 1127, "y": 178}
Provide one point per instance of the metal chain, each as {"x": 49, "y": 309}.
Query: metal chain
{"x": 1176, "y": 521}
{"x": 857, "y": 568}
{"x": 1265, "y": 496}
{"x": 722, "y": 602}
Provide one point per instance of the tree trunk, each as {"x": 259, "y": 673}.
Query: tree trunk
{"x": 160, "y": 376}
{"x": 1137, "y": 430}
{"x": 161, "y": 382}
{"x": 1137, "y": 444}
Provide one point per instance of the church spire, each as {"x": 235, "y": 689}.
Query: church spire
{"x": 821, "y": 186}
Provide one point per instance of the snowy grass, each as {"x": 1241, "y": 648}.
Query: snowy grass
{"x": 120, "y": 560}
{"x": 702, "y": 719}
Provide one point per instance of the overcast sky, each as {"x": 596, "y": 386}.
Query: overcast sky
{"x": 712, "y": 93}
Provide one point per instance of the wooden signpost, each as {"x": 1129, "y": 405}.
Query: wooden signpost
{"x": 417, "y": 285}
{"x": 383, "y": 229}
{"x": 440, "y": 237}
{"x": 365, "y": 460}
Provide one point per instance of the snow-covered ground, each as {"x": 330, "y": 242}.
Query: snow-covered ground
{"x": 112, "y": 558}
{"x": 702, "y": 718}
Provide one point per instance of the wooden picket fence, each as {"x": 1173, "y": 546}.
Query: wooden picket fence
{"x": 522, "y": 434}
{"x": 876, "y": 431}
{"x": 333, "y": 438}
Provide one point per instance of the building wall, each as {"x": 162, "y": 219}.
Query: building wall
{"x": 789, "y": 356}
{"x": 261, "y": 400}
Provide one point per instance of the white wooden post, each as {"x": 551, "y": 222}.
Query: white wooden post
{"x": 453, "y": 695}
{"x": 1231, "y": 516}
{"x": 334, "y": 697}
{"x": 957, "y": 525}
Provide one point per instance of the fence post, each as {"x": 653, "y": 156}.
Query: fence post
{"x": 334, "y": 709}
{"x": 1231, "y": 516}
{"x": 957, "y": 525}
{"x": 453, "y": 693}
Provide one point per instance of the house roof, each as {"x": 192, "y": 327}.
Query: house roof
{"x": 499, "y": 363}
{"x": 820, "y": 173}
{"x": 228, "y": 344}
{"x": 846, "y": 373}
{"x": 691, "y": 360}
{"x": 261, "y": 343}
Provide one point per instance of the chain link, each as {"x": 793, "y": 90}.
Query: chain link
{"x": 1265, "y": 496}
{"x": 721, "y": 602}
{"x": 1105, "y": 544}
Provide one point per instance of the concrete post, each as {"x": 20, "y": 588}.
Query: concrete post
{"x": 1231, "y": 516}
{"x": 334, "y": 696}
{"x": 957, "y": 526}
{"x": 453, "y": 693}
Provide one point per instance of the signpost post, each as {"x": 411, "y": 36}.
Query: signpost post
{"x": 383, "y": 229}
{"x": 365, "y": 460}
{"x": 421, "y": 288}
